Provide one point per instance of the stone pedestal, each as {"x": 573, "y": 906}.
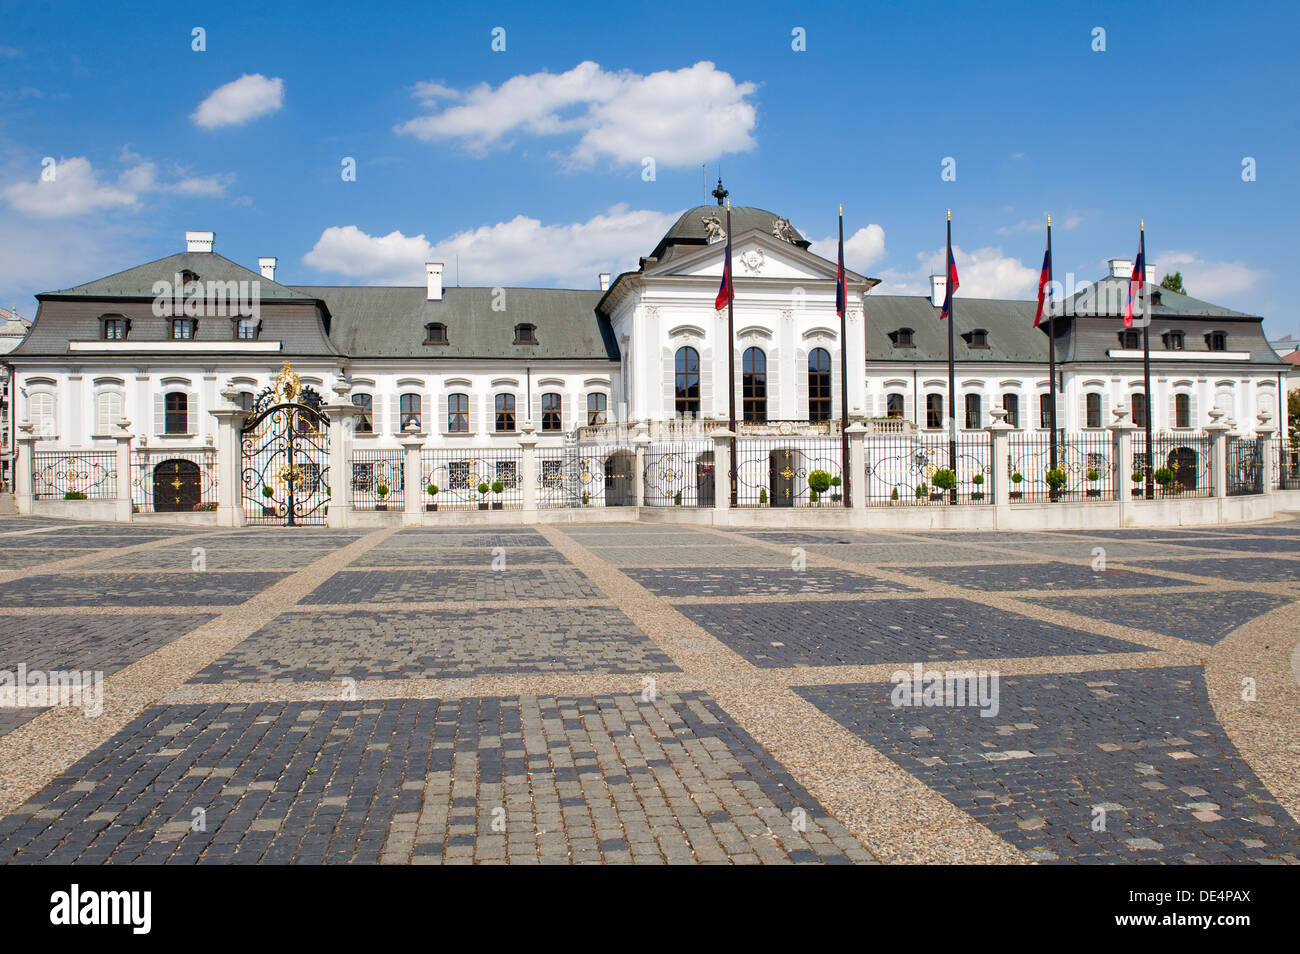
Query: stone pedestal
{"x": 230, "y": 419}
{"x": 1000, "y": 458}
{"x": 722, "y": 467}
{"x": 122, "y": 507}
{"x": 413, "y": 494}
{"x": 25, "y": 445}
{"x": 528, "y": 470}
{"x": 857, "y": 465}
{"x": 342, "y": 414}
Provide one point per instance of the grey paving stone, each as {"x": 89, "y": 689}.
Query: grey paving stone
{"x": 1204, "y": 616}
{"x": 400, "y": 644}
{"x": 459, "y": 556}
{"x": 77, "y": 641}
{"x": 777, "y": 634}
{"x": 1039, "y": 576}
{"x": 11, "y": 717}
{"x": 1244, "y": 569}
{"x": 137, "y": 589}
{"x": 757, "y": 581}
{"x": 1243, "y": 544}
{"x": 740, "y": 555}
{"x": 1068, "y": 749}
{"x": 410, "y": 780}
{"x": 405, "y": 586}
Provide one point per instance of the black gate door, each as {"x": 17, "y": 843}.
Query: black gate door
{"x": 176, "y": 486}
{"x": 285, "y": 452}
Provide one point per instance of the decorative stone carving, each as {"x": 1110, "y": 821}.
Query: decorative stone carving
{"x": 753, "y": 260}
{"x": 713, "y": 228}
{"x": 782, "y": 229}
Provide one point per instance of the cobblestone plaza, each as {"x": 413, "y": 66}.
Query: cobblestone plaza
{"x": 642, "y": 693}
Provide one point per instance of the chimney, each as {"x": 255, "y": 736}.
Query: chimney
{"x": 1119, "y": 268}
{"x": 199, "y": 241}
{"x": 1151, "y": 275}
{"x": 603, "y": 278}
{"x": 267, "y": 265}
{"x": 434, "y": 273}
{"x": 938, "y": 290}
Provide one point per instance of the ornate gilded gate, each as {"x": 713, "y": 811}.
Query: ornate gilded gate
{"x": 285, "y": 455}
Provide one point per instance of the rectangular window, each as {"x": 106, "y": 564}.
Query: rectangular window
{"x": 552, "y": 472}
{"x": 409, "y": 411}
{"x": 1011, "y": 404}
{"x": 894, "y": 405}
{"x": 458, "y": 413}
{"x": 365, "y": 421}
{"x": 596, "y": 408}
{"x": 508, "y": 473}
{"x": 934, "y": 411}
{"x": 1094, "y": 409}
{"x": 505, "y": 409}
{"x": 972, "y": 412}
{"x": 1045, "y": 411}
{"x": 176, "y": 414}
{"x": 458, "y": 475}
{"x": 552, "y": 412}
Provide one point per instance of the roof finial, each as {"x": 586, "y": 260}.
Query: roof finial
{"x": 720, "y": 193}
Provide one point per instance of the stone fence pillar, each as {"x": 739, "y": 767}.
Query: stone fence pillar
{"x": 342, "y": 415}
{"x": 230, "y": 418}
{"x": 122, "y": 506}
{"x": 1000, "y": 458}
{"x": 528, "y": 471}
{"x": 1218, "y": 430}
{"x": 722, "y": 468}
{"x": 1121, "y": 460}
{"x": 24, "y": 468}
{"x": 640, "y": 442}
{"x": 857, "y": 465}
{"x": 412, "y": 441}
{"x": 1264, "y": 448}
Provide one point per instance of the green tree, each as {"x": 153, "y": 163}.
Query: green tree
{"x": 1173, "y": 283}
{"x": 1293, "y": 413}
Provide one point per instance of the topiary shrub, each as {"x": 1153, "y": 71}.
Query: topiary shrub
{"x": 944, "y": 479}
{"x": 1055, "y": 478}
{"x": 74, "y": 495}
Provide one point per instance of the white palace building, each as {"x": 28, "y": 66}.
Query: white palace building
{"x": 617, "y": 394}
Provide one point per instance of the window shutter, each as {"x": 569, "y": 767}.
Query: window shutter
{"x": 475, "y": 412}
{"x": 706, "y": 384}
{"x": 426, "y": 409}
{"x": 1194, "y": 417}
{"x": 736, "y": 383}
{"x": 580, "y": 412}
{"x": 103, "y": 413}
{"x": 1105, "y": 409}
{"x": 441, "y": 423}
{"x": 536, "y": 417}
{"x": 1173, "y": 411}
{"x": 159, "y": 412}
{"x": 192, "y": 412}
{"x": 396, "y": 416}
{"x": 775, "y": 411}
{"x": 670, "y": 393}
{"x": 909, "y": 406}
{"x": 835, "y": 385}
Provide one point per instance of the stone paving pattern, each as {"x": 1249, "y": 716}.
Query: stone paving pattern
{"x": 507, "y": 726}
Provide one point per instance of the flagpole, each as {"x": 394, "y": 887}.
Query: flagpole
{"x": 844, "y": 370}
{"x": 1146, "y": 359}
{"x": 952, "y": 368}
{"x": 731, "y": 358}
{"x": 1051, "y": 347}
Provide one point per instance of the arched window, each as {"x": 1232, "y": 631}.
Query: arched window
{"x": 973, "y": 412}
{"x": 176, "y": 413}
{"x": 596, "y": 408}
{"x": 686, "y": 386}
{"x": 894, "y": 405}
{"x": 108, "y": 411}
{"x": 934, "y": 411}
{"x": 505, "y": 408}
{"x": 40, "y": 409}
{"x": 1182, "y": 410}
{"x": 408, "y": 411}
{"x": 819, "y": 385}
{"x": 1093, "y": 405}
{"x": 365, "y": 421}
{"x": 552, "y": 412}
{"x": 754, "y": 384}
{"x": 458, "y": 413}
{"x": 1140, "y": 410}
{"x": 1011, "y": 404}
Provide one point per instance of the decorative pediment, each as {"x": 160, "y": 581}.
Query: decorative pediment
{"x": 754, "y": 254}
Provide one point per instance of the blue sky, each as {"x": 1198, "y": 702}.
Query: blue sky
{"x": 527, "y": 165}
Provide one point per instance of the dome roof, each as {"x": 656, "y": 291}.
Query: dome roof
{"x": 689, "y": 229}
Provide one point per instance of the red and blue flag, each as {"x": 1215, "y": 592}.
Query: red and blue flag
{"x": 1138, "y": 279}
{"x": 726, "y": 294}
{"x": 953, "y": 283}
{"x": 841, "y": 284}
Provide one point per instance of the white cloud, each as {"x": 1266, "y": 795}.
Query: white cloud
{"x": 1206, "y": 279}
{"x": 678, "y": 117}
{"x": 76, "y": 188}
{"x": 983, "y": 273}
{"x": 250, "y": 96}
{"x": 521, "y": 251}
{"x": 862, "y": 249}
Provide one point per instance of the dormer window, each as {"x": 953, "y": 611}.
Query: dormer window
{"x": 115, "y": 327}
{"x": 977, "y": 338}
{"x": 435, "y": 333}
{"x": 1173, "y": 340}
{"x": 1155, "y": 296}
{"x": 1129, "y": 340}
{"x": 246, "y": 329}
{"x": 1217, "y": 341}
{"x": 525, "y": 334}
{"x": 183, "y": 329}
{"x": 902, "y": 338}
{"x": 189, "y": 280}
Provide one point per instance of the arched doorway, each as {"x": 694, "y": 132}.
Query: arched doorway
{"x": 619, "y": 491}
{"x": 704, "y": 479}
{"x": 176, "y": 486}
{"x": 1182, "y": 461}
{"x": 783, "y": 466}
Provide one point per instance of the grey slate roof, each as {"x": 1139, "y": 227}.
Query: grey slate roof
{"x": 389, "y": 322}
{"x": 138, "y": 282}
{"x": 689, "y": 227}
{"x": 1012, "y": 336}
{"x": 1109, "y": 296}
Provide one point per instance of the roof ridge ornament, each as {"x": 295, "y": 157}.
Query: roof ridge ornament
{"x": 713, "y": 228}
{"x": 720, "y": 193}
{"x": 782, "y": 229}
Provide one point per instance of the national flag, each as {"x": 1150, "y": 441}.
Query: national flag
{"x": 726, "y": 293}
{"x": 1044, "y": 279}
{"x": 1138, "y": 279}
{"x": 841, "y": 285}
{"x": 953, "y": 283}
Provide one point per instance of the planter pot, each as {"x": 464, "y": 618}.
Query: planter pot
{"x": 1094, "y": 493}
{"x": 430, "y": 508}
{"x": 977, "y": 495}
{"x": 836, "y": 498}
{"x": 497, "y": 505}
{"x": 1138, "y": 492}
{"x": 382, "y": 508}
{"x": 482, "y": 506}
{"x": 938, "y": 496}
{"x": 268, "y": 511}
{"x": 1017, "y": 494}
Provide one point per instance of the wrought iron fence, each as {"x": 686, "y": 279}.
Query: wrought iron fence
{"x": 679, "y": 474}
{"x": 378, "y": 480}
{"x": 789, "y": 472}
{"x": 586, "y": 475}
{"x": 1187, "y": 457}
{"x": 901, "y": 469}
{"x": 1286, "y": 476}
{"x": 475, "y": 478}
{"x": 173, "y": 481}
{"x": 1243, "y": 466}
{"x": 1084, "y": 462}
{"x": 74, "y": 475}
